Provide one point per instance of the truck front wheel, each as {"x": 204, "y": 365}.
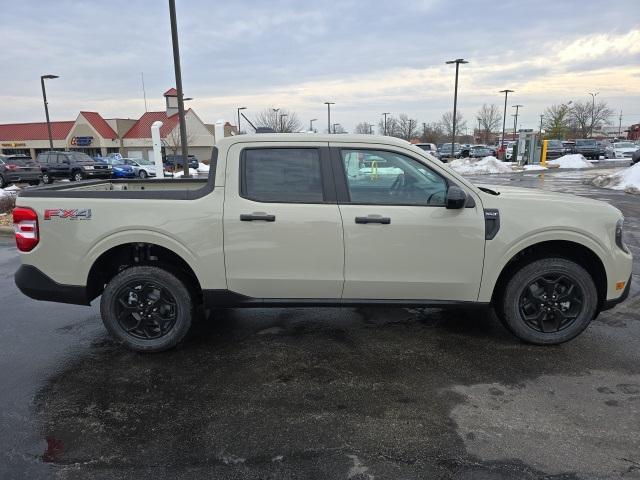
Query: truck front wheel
{"x": 147, "y": 309}
{"x": 548, "y": 301}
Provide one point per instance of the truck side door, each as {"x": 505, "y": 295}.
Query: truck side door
{"x": 282, "y": 226}
{"x": 401, "y": 242}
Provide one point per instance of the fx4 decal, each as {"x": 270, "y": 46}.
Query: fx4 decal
{"x": 72, "y": 213}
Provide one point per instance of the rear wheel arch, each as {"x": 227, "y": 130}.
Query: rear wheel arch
{"x": 576, "y": 252}
{"x": 127, "y": 255}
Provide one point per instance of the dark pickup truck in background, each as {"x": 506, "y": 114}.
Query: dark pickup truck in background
{"x": 75, "y": 166}
{"x": 588, "y": 147}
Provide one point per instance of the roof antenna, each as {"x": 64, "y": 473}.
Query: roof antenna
{"x": 144, "y": 93}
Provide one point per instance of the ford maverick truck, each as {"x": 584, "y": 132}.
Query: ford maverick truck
{"x": 319, "y": 220}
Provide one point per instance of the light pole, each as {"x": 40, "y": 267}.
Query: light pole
{"x": 328, "y": 104}
{"x": 334, "y": 127}
{"x": 385, "y": 121}
{"x": 593, "y": 110}
{"x": 311, "y": 124}
{"x": 504, "y": 119}
{"x": 282, "y": 124}
{"x": 541, "y": 117}
{"x": 371, "y": 128}
{"x": 46, "y": 106}
{"x": 178, "y": 73}
{"x": 239, "y": 129}
{"x": 515, "y": 120}
{"x": 275, "y": 112}
{"x": 457, "y": 61}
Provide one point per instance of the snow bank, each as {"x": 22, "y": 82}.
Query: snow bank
{"x": 627, "y": 180}
{"x": 575, "y": 160}
{"x": 202, "y": 168}
{"x": 11, "y": 190}
{"x": 180, "y": 173}
{"x": 534, "y": 168}
{"x": 472, "y": 166}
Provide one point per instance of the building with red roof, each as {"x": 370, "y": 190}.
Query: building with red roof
{"x": 97, "y": 136}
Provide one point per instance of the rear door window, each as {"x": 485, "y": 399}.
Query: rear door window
{"x": 282, "y": 175}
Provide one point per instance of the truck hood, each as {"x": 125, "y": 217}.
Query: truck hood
{"x": 539, "y": 199}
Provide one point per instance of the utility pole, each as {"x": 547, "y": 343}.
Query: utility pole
{"x": 385, "y": 122}
{"x": 275, "y": 112}
{"x": 541, "y": 117}
{"x": 144, "y": 92}
{"x": 593, "y": 110}
{"x": 239, "y": 129}
{"x": 328, "y": 104}
{"x": 620, "y": 125}
{"x": 515, "y": 121}
{"x": 46, "y": 105}
{"x": 311, "y": 124}
{"x": 282, "y": 115}
{"x": 334, "y": 127}
{"x": 178, "y": 73}
{"x": 504, "y": 119}
{"x": 457, "y": 61}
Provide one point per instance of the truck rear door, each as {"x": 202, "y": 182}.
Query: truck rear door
{"x": 282, "y": 226}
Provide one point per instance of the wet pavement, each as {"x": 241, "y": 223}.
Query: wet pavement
{"x": 322, "y": 393}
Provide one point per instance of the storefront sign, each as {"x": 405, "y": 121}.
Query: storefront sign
{"x": 13, "y": 145}
{"x": 81, "y": 141}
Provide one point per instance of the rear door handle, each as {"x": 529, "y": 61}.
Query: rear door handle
{"x": 251, "y": 217}
{"x": 374, "y": 219}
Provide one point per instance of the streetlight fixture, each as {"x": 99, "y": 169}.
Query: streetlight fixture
{"x": 385, "y": 121}
{"x": 504, "y": 119}
{"x": 328, "y": 104}
{"x": 457, "y": 61}
{"x": 515, "y": 120}
{"x": 311, "y": 124}
{"x": 334, "y": 127}
{"x": 178, "y": 74}
{"x": 239, "y": 129}
{"x": 46, "y": 106}
{"x": 593, "y": 110}
{"x": 282, "y": 115}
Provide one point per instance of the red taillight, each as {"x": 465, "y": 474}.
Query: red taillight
{"x": 25, "y": 223}
{"x": 10, "y": 166}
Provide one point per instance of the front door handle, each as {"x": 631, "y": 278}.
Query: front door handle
{"x": 251, "y": 217}
{"x": 374, "y": 219}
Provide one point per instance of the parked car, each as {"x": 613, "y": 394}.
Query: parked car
{"x": 556, "y": 149}
{"x": 480, "y": 151}
{"x": 588, "y": 147}
{"x": 602, "y": 147}
{"x": 18, "y": 168}
{"x": 296, "y": 220}
{"x": 75, "y": 166}
{"x": 621, "y": 150}
{"x": 569, "y": 146}
{"x": 429, "y": 147}
{"x": 636, "y": 157}
{"x": 445, "y": 150}
{"x": 119, "y": 169}
{"x": 142, "y": 168}
{"x": 175, "y": 162}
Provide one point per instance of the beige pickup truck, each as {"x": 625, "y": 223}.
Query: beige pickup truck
{"x": 313, "y": 220}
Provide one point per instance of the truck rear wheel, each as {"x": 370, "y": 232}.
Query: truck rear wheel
{"x": 549, "y": 301}
{"x": 147, "y": 309}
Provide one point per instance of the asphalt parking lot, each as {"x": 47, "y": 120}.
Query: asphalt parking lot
{"x": 323, "y": 393}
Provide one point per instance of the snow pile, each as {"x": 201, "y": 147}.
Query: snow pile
{"x": 472, "y": 166}
{"x": 192, "y": 172}
{"x": 9, "y": 191}
{"x": 627, "y": 180}
{"x": 202, "y": 168}
{"x": 534, "y": 168}
{"x": 575, "y": 160}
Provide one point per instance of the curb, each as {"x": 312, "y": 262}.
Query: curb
{"x": 7, "y": 231}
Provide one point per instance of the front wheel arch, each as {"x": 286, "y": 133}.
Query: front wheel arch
{"x": 576, "y": 252}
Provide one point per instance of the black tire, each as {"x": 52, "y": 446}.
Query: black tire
{"x": 123, "y": 301}
{"x": 46, "y": 178}
{"x": 77, "y": 176}
{"x": 528, "y": 312}
{"x": 142, "y": 174}
{"x": 3, "y": 182}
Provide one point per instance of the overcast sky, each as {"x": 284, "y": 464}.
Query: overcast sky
{"x": 367, "y": 56}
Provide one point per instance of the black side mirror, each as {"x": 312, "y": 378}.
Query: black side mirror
{"x": 456, "y": 197}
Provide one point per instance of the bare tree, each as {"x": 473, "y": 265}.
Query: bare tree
{"x": 364, "y": 128}
{"x": 432, "y": 133}
{"x": 557, "y": 121}
{"x": 283, "y": 120}
{"x": 173, "y": 141}
{"x": 407, "y": 127}
{"x": 337, "y": 128}
{"x": 490, "y": 119}
{"x": 588, "y": 116}
{"x": 447, "y": 123}
{"x": 393, "y": 128}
